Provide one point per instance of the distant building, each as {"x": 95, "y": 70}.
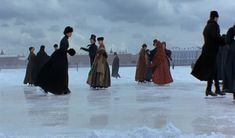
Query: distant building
{"x": 12, "y": 61}
{"x": 185, "y": 57}
{"x": 180, "y": 57}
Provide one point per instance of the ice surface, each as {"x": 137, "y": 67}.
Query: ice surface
{"x": 126, "y": 110}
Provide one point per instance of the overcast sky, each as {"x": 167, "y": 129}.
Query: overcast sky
{"x": 125, "y": 24}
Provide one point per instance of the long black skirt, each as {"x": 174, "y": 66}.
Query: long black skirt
{"x": 229, "y": 80}
{"x": 53, "y": 76}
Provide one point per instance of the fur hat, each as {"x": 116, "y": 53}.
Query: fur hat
{"x": 214, "y": 14}
{"x": 100, "y": 39}
{"x": 42, "y": 47}
{"x": 30, "y": 48}
{"x": 68, "y": 29}
{"x": 55, "y": 46}
{"x": 155, "y": 41}
{"x": 144, "y": 45}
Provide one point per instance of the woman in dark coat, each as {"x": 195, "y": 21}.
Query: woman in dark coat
{"x": 148, "y": 75}
{"x": 229, "y": 80}
{"x": 205, "y": 67}
{"x": 115, "y": 66}
{"x": 42, "y": 58}
{"x": 53, "y": 76}
{"x": 221, "y": 60}
{"x": 141, "y": 67}
{"x": 99, "y": 75}
{"x": 31, "y": 71}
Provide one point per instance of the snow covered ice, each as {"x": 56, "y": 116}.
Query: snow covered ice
{"x": 125, "y": 110}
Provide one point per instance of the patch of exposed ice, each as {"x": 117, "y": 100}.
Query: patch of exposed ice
{"x": 169, "y": 131}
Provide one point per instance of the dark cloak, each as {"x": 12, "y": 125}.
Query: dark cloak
{"x": 229, "y": 80}
{"x": 205, "y": 67}
{"x": 115, "y": 67}
{"x": 31, "y": 71}
{"x": 53, "y": 76}
{"x": 42, "y": 59}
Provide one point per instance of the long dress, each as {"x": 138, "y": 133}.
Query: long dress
{"x": 221, "y": 61}
{"x": 229, "y": 80}
{"x": 42, "y": 59}
{"x": 162, "y": 74}
{"x": 31, "y": 71}
{"x": 53, "y": 76}
{"x": 141, "y": 67}
{"x": 115, "y": 67}
{"x": 99, "y": 75}
{"x": 148, "y": 75}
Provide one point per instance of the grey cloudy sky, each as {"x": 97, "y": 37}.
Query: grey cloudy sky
{"x": 125, "y": 24}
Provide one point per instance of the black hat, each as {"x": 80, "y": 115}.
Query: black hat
{"x": 144, "y": 45}
{"x": 214, "y": 14}
{"x": 68, "y": 29}
{"x": 155, "y": 41}
{"x": 55, "y": 46}
{"x": 100, "y": 39}
{"x": 42, "y": 47}
{"x": 30, "y": 48}
{"x": 93, "y": 37}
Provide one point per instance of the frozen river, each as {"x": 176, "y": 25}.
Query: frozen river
{"x": 126, "y": 110}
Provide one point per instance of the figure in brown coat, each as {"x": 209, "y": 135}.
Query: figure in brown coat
{"x": 141, "y": 67}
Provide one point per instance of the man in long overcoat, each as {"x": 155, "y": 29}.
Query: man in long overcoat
{"x": 205, "y": 67}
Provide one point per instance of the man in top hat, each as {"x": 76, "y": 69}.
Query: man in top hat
{"x": 205, "y": 67}
{"x": 92, "y": 48}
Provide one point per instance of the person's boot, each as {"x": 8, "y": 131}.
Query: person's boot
{"x": 233, "y": 96}
{"x": 219, "y": 92}
{"x": 208, "y": 92}
{"x": 208, "y": 89}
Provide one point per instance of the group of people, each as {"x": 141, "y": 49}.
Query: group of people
{"x": 35, "y": 63}
{"x": 154, "y": 65}
{"x": 51, "y": 72}
{"x": 217, "y": 61}
{"x": 99, "y": 75}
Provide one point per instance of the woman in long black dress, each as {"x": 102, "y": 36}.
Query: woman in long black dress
{"x": 115, "y": 66}
{"x": 229, "y": 80}
{"x": 53, "y": 76}
{"x": 31, "y": 71}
